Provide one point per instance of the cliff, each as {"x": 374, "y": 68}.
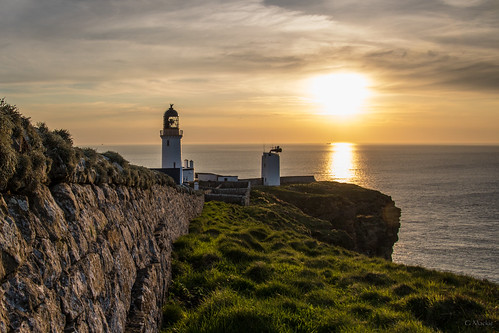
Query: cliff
{"x": 358, "y": 219}
{"x": 89, "y": 258}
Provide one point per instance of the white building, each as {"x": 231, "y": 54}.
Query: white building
{"x": 171, "y": 153}
{"x": 271, "y": 173}
{"x": 221, "y": 178}
{"x": 188, "y": 171}
{"x": 213, "y": 177}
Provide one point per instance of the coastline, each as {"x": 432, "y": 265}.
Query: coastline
{"x": 447, "y": 194}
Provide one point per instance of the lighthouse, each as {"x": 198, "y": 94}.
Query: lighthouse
{"x": 171, "y": 137}
{"x": 271, "y": 173}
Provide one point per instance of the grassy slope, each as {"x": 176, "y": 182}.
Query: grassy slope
{"x": 256, "y": 269}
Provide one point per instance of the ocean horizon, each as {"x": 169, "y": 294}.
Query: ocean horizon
{"x": 449, "y": 194}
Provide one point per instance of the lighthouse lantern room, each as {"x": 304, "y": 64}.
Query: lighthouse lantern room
{"x": 171, "y": 136}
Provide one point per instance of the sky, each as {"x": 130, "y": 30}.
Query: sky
{"x": 389, "y": 71}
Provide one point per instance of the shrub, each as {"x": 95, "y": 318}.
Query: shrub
{"x": 114, "y": 157}
{"x": 8, "y": 157}
{"x": 61, "y": 152}
{"x": 65, "y": 135}
{"x": 31, "y": 155}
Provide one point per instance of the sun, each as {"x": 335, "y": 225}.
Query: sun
{"x": 341, "y": 94}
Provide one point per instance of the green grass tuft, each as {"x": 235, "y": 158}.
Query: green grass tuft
{"x": 259, "y": 272}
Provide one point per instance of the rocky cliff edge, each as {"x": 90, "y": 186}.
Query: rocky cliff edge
{"x": 358, "y": 219}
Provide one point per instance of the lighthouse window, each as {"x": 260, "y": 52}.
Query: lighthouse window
{"x": 168, "y": 143}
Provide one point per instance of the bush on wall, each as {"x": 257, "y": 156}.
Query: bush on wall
{"x": 32, "y": 155}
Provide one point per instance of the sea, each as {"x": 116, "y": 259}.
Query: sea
{"x": 449, "y": 195}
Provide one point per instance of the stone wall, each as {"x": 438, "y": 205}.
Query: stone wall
{"x": 297, "y": 180}
{"x": 284, "y": 180}
{"x": 230, "y": 192}
{"x": 89, "y": 258}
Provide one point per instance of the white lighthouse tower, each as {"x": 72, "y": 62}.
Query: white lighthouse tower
{"x": 271, "y": 173}
{"x": 171, "y": 136}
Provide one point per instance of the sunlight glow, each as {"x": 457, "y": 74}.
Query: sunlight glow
{"x": 341, "y": 94}
{"x": 342, "y": 165}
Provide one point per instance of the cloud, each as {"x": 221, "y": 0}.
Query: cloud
{"x": 411, "y": 20}
{"x": 106, "y": 40}
{"x": 98, "y": 41}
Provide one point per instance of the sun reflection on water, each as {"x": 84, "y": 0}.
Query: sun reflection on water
{"x": 342, "y": 164}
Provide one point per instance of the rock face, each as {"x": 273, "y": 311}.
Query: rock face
{"x": 89, "y": 258}
{"x": 361, "y": 220}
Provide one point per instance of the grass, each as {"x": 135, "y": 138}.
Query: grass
{"x": 259, "y": 269}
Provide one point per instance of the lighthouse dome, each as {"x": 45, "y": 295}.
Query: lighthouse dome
{"x": 170, "y": 119}
{"x": 171, "y": 112}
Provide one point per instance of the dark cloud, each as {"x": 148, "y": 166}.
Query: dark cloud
{"x": 431, "y": 70}
{"x": 477, "y": 76}
{"x": 350, "y": 9}
{"x": 469, "y": 39}
{"x": 419, "y": 43}
{"x": 411, "y": 19}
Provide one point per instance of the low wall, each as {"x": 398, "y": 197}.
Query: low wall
{"x": 297, "y": 180}
{"x": 284, "y": 180}
{"x": 229, "y": 192}
{"x": 223, "y": 185}
{"x": 242, "y": 200}
{"x": 234, "y": 191}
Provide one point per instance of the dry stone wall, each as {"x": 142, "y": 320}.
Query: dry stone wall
{"x": 87, "y": 258}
